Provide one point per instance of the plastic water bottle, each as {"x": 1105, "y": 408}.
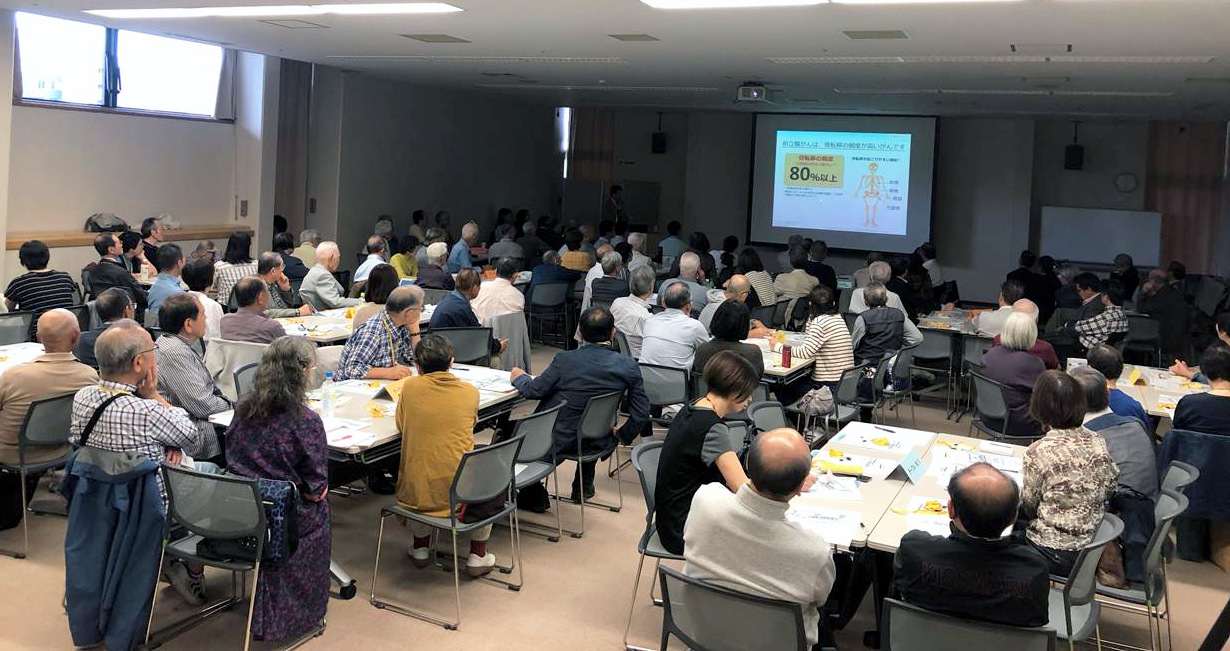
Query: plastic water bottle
{"x": 326, "y": 395}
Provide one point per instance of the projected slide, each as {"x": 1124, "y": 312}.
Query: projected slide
{"x": 842, "y": 181}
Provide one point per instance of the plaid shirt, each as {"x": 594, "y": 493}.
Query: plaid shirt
{"x": 1068, "y": 474}
{"x": 133, "y": 424}
{"x": 376, "y": 343}
{"x": 226, "y": 274}
{"x": 1095, "y": 330}
{"x": 186, "y": 383}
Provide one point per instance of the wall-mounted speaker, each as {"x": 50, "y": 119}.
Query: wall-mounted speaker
{"x": 657, "y": 142}
{"x": 1074, "y": 157}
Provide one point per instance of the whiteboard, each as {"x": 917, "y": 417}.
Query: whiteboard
{"x": 1098, "y": 235}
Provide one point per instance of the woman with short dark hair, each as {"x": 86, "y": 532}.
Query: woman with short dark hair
{"x": 698, "y": 448}
{"x": 381, "y": 282}
{"x": 826, "y": 339}
{"x": 730, "y": 326}
{"x": 1208, "y": 412}
{"x": 41, "y": 288}
{"x": 1068, "y": 474}
{"x": 275, "y": 435}
{"x": 236, "y": 263}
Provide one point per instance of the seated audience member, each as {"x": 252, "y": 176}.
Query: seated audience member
{"x": 1066, "y": 295}
{"x": 404, "y": 262}
{"x": 506, "y": 247}
{"x": 275, "y": 435}
{"x": 382, "y": 348}
{"x": 1221, "y": 328}
{"x": 236, "y": 263}
{"x": 40, "y": 288}
{"x": 690, "y": 276}
{"x": 1107, "y": 361}
{"x": 698, "y": 243}
{"x": 1046, "y": 290}
{"x": 609, "y": 285}
{"x": 455, "y": 311}
{"x": 133, "y": 254}
{"x": 206, "y": 249}
{"x": 572, "y": 254}
{"x": 1162, "y": 298}
{"x": 1208, "y": 412}
{"x": 1102, "y": 327}
{"x": 732, "y": 324}
{"x": 380, "y": 283}
{"x": 976, "y": 571}
{"x": 822, "y": 272}
{"x": 433, "y": 235}
{"x": 739, "y": 289}
{"x": 1067, "y": 340}
{"x": 621, "y": 232}
{"x": 1068, "y": 474}
{"x": 792, "y": 242}
{"x": 1129, "y": 444}
{"x": 1012, "y": 365}
{"x": 111, "y": 306}
{"x": 54, "y": 373}
{"x": 594, "y": 273}
{"x": 198, "y": 275}
{"x": 309, "y": 239}
{"x": 881, "y": 272}
{"x": 1042, "y": 349}
{"x": 459, "y": 257}
{"x": 249, "y": 322}
{"x": 283, "y": 300}
{"x": 671, "y": 337}
{"x": 531, "y": 245}
{"x": 606, "y": 231}
{"x": 377, "y": 253}
{"x": 182, "y": 375}
{"x": 436, "y": 415}
{"x": 1024, "y": 273}
{"x": 630, "y": 312}
{"x": 169, "y": 261}
{"x": 698, "y": 447}
{"x": 672, "y": 246}
{"x": 499, "y": 296}
{"x": 880, "y": 329}
{"x": 136, "y": 419}
{"x": 151, "y": 237}
{"x": 725, "y": 258}
{"x": 990, "y": 324}
{"x": 934, "y": 271}
{"x": 432, "y": 274}
{"x": 550, "y": 271}
{"x": 752, "y": 268}
{"x": 637, "y": 242}
{"x": 320, "y": 289}
{"x": 899, "y": 284}
{"x": 112, "y": 270}
{"x": 794, "y": 284}
{"x": 826, "y": 339}
{"x": 418, "y": 221}
{"x": 743, "y": 540}
{"x": 292, "y": 266}
{"x": 574, "y": 377}
{"x": 1125, "y": 272}
{"x": 862, "y": 275}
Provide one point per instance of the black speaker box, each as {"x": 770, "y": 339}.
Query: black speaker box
{"x": 657, "y": 142}
{"x": 1074, "y": 157}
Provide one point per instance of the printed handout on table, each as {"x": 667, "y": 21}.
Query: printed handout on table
{"x": 894, "y": 440}
{"x": 838, "y": 526}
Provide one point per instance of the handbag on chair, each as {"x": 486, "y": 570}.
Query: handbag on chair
{"x": 281, "y": 502}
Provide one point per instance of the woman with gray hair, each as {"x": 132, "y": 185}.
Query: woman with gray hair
{"x": 1012, "y": 365}
{"x": 275, "y": 435}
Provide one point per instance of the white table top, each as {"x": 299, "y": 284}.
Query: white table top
{"x": 332, "y": 326}
{"x": 1156, "y": 389}
{"x": 14, "y": 354}
{"x": 773, "y": 360}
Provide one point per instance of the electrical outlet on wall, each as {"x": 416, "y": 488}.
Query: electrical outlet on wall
{"x": 243, "y": 208}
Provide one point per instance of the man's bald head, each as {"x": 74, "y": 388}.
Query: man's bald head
{"x": 983, "y": 500}
{"x": 602, "y": 250}
{"x": 1026, "y": 306}
{"x": 777, "y": 463}
{"x": 58, "y": 331}
{"x": 738, "y": 287}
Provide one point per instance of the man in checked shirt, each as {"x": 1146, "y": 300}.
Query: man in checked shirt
{"x": 139, "y": 421}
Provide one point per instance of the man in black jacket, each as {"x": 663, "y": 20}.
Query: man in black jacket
{"x": 976, "y": 572}
{"x": 110, "y": 271}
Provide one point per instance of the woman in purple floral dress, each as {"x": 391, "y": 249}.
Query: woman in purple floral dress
{"x": 276, "y": 436}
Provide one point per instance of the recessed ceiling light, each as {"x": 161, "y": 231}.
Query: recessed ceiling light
{"x": 728, "y": 4}
{"x": 278, "y": 10}
{"x": 633, "y": 38}
{"x": 904, "y": 2}
{"x": 435, "y": 38}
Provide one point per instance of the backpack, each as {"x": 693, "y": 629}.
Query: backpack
{"x": 105, "y": 222}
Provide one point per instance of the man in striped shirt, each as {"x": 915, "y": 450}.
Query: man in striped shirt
{"x": 182, "y": 375}
{"x": 40, "y": 289}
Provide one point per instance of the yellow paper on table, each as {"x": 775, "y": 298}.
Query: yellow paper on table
{"x": 393, "y": 390}
{"x": 845, "y": 469}
{"x": 1135, "y": 378}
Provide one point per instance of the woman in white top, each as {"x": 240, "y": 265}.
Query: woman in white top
{"x": 198, "y": 275}
{"x": 827, "y": 341}
{"x": 762, "y": 283}
{"x": 236, "y": 263}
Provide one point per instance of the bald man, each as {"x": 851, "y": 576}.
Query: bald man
{"x": 54, "y": 373}
{"x": 976, "y": 571}
{"x": 459, "y": 257}
{"x": 743, "y": 541}
{"x": 739, "y": 288}
{"x": 1042, "y": 349}
{"x": 320, "y": 288}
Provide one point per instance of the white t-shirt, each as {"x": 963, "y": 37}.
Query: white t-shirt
{"x": 935, "y": 271}
{"x": 213, "y": 315}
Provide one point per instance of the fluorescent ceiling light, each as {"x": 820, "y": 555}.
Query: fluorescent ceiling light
{"x": 904, "y": 2}
{"x": 278, "y": 10}
{"x": 728, "y": 4}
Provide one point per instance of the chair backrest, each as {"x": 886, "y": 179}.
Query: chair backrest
{"x": 711, "y": 618}
{"x": 85, "y": 282}
{"x": 911, "y": 628}
{"x": 847, "y": 386}
{"x": 232, "y": 301}
{"x": 843, "y": 301}
{"x": 664, "y": 385}
{"x": 1082, "y": 582}
{"x": 779, "y": 313}
{"x": 343, "y": 277}
{"x": 535, "y": 432}
{"x": 598, "y": 302}
{"x": 484, "y": 474}
{"x": 886, "y": 360}
{"x": 215, "y": 506}
{"x": 798, "y": 315}
{"x": 46, "y": 423}
{"x": 95, "y": 321}
{"x": 973, "y": 348}
{"x": 599, "y": 415}
{"x": 470, "y": 345}
{"x": 849, "y": 318}
{"x": 1142, "y": 328}
{"x": 901, "y": 367}
{"x": 645, "y": 459}
{"x": 434, "y": 296}
{"x": 1179, "y": 476}
{"x": 935, "y": 345}
{"x": 550, "y": 294}
{"x": 15, "y": 327}
{"x": 989, "y": 399}
{"x": 764, "y": 314}
{"x": 621, "y": 340}
{"x": 1170, "y": 505}
{"x": 82, "y": 312}
{"x": 245, "y": 377}
{"x": 767, "y": 415}
{"x": 224, "y": 356}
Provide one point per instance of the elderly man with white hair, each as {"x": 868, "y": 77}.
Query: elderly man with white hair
{"x": 1042, "y": 349}
{"x": 671, "y": 337}
{"x": 320, "y": 289}
{"x": 881, "y": 272}
{"x": 639, "y": 259}
{"x": 1012, "y": 365}
{"x": 630, "y": 312}
{"x": 309, "y": 239}
{"x": 432, "y": 275}
{"x": 595, "y": 272}
{"x": 459, "y": 257}
{"x": 690, "y": 274}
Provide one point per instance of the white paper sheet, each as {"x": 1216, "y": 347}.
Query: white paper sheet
{"x": 366, "y": 388}
{"x": 933, "y": 526}
{"x": 347, "y": 437}
{"x": 484, "y": 379}
{"x": 832, "y": 487}
{"x": 895, "y": 440}
{"x": 945, "y": 463}
{"x": 872, "y": 467}
{"x": 838, "y": 526}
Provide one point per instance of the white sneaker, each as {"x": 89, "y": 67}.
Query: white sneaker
{"x": 420, "y": 556}
{"x": 477, "y": 566}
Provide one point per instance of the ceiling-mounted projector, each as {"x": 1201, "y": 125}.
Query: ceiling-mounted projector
{"x": 752, "y": 92}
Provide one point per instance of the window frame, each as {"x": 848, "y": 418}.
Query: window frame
{"x": 110, "y": 93}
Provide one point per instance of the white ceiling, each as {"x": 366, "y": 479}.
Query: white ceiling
{"x": 718, "y": 49}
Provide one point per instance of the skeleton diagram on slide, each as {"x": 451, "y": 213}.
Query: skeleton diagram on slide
{"x": 871, "y": 196}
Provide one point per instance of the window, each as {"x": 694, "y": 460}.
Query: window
{"x": 563, "y": 133}
{"x": 78, "y": 63}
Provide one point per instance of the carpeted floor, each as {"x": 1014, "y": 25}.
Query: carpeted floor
{"x": 576, "y": 592}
